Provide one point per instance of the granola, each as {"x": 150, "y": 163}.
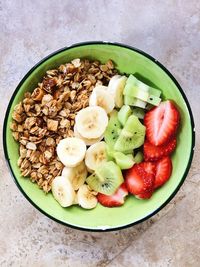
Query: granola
{"x": 46, "y": 115}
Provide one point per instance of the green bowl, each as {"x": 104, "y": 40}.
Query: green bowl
{"x": 128, "y": 60}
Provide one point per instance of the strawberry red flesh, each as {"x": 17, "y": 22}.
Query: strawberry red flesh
{"x": 145, "y": 195}
{"x": 161, "y": 123}
{"x": 140, "y": 178}
{"x": 149, "y": 167}
{"x": 115, "y": 200}
{"x": 163, "y": 171}
{"x": 153, "y": 153}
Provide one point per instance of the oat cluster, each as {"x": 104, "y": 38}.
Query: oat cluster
{"x": 46, "y": 115}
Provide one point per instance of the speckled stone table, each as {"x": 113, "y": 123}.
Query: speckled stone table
{"x": 168, "y": 30}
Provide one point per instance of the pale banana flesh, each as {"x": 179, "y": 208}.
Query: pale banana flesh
{"x": 63, "y": 191}
{"x": 86, "y": 197}
{"x": 87, "y": 141}
{"x": 116, "y": 87}
{"x": 103, "y": 98}
{"x": 91, "y": 122}
{"x": 76, "y": 175}
{"x": 71, "y": 151}
{"x": 95, "y": 155}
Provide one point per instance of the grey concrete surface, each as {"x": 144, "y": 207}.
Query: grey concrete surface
{"x": 168, "y": 30}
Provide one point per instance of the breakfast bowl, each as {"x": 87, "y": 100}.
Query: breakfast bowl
{"x": 127, "y": 60}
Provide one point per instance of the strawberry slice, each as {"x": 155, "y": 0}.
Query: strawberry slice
{"x": 163, "y": 171}
{"x": 161, "y": 123}
{"x": 149, "y": 167}
{"x": 145, "y": 195}
{"x": 140, "y": 178}
{"x": 153, "y": 153}
{"x": 115, "y": 200}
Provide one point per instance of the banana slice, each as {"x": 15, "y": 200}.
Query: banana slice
{"x": 91, "y": 122}
{"x": 71, "y": 151}
{"x": 87, "y": 141}
{"x": 75, "y": 202}
{"x": 101, "y": 87}
{"x": 63, "y": 191}
{"x": 102, "y": 98}
{"x": 95, "y": 155}
{"x": 86, "y": 197}
{"x": 113, "y": 79}
{"x": 76, "y": 175}
{"x": 116, "y": 88}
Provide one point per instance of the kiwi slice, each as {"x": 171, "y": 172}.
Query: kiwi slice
{"x": 136, "y": 88}
{"x": 106, "y": 178}
{"x": 132, "y": 135}
{"x": 140, "y": 103}
{"x": 128, "y": 152}
{"x": 139, "y": 112}
{"x": 124, "y": 113}
{"x": 138, "y": 157}
{"x": 132, "y": 101}
{"x": 113, "y": 129}
{"x": 109, "y": 153}
{"x": 154, "y": 100}
{"x": 123, "y": 161}
{"x": 129, "y": 100}
{"x": 154, "y": 91}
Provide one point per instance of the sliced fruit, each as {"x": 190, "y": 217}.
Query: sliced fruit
{"x": 136, "y": 88}
{"x": 113, "y": 129}
{"x": 132, "y": 135}
{"x": 95, "y": 155}
{"x": 132, "y": 87}
{"x": 76, "y": 175}
{"x": 139, "y": 103}
{"x": 113, "y": 79}
{"x": 163, "y": 171}
{"x": 149, "y": 167}
{"x": 130, "y": 155}
{"x": 106, "y": 178}
{"x": 91, "y": 122}
{"x": 75, "y": 202}
{"x": 109, "y": 153}
{"x": 115, "y": 200}
{"x": 101, "y": 87}
{"x": 138, "y": 157}
{"x": 123, "y": 161}
{"x": 138, "y": 112}
{"x": 128, "y": 152}
{"x": 154, "y": 100}
{"x": 132, "y": 101}
{"x": 63, "y": 191}
{"x": 138, "y": 180}
{"x": 116, "y": 88}
{"x": 154, "y": 91}
{"x": 137, "y": 92}
{"x": 87, "y": 141}
{"x": 145, "y": 195}
{"x": 102, "y": 98}
{"x": 71, "y": 151}
{"x": 124, "y": 113}
{"x": 161, "y": 123}
{"x": 86, "y": 197}
{"x": 128, "y": 100}
{"x": 153, "y": 153}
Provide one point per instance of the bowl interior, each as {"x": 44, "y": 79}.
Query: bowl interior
{"x": 127, "y": 61}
